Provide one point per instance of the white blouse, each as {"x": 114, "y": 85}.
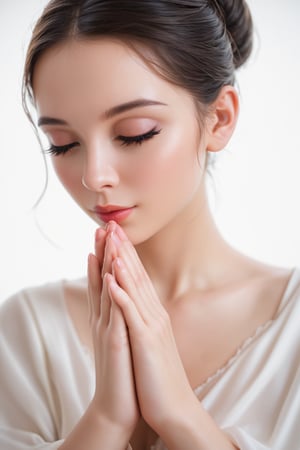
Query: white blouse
{"x": 47, "y": 376}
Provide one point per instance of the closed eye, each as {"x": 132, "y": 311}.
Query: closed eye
{"x": 57, "y": 150}
{"x": 139, "y": 139}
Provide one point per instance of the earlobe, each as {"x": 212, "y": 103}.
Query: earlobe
{"x": 222, "y": 119}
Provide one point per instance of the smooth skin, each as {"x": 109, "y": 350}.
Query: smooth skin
{"x": 169, "y": 301}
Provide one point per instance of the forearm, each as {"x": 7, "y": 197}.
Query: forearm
{"x": 196, "y": 430}
{"x": 93, "y": 432}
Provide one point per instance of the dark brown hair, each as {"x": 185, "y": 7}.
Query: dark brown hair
{"x": 196, "y": 44}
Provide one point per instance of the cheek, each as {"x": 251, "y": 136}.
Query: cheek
{"x": 171, "y": 165}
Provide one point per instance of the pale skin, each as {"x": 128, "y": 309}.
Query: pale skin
{"x": 169, "y": 301}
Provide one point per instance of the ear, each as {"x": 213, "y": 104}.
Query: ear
{"x": 222, "y": 119}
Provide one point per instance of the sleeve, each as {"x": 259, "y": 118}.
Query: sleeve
{"x": 285, "y": 430}
{"x": 243, "y": 440}
{"x": 27, "y": 415}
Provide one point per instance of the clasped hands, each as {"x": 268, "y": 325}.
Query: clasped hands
{"x": 138, "y": 368}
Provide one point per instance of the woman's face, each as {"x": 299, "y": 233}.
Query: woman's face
{"x": 134, "y": 152}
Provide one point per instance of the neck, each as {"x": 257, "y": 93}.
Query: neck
{"x": 188, "y": 253}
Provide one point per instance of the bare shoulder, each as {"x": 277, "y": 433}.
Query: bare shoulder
{"x": 269, "y": 283}
{"x": 272, "y": 278}
{"x": 276, "y": 283}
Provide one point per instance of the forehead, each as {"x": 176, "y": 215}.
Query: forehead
{"x": 97, "y": 72}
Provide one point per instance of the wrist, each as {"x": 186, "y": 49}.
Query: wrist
{"x": 119, "y": 432}
{"x": 193, "y": 428}
{"x": 94, "y": 431}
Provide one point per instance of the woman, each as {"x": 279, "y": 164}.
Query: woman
{"x": 175, "y": 340}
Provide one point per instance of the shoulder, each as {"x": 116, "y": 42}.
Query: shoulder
{"x": 280, "y": 292}
{"x": 284, "y": 332}
{"x": 28, "y": 301}
{"x": 41, "y": 310}
{"x": 44, "y": 297}
{"x": 282, "y": 285}
{"x": 290, "y": 300}
{"x": 36, "y": 312}
{"x": 26, "y": 318}
{"x": 270, "y": 286}
{"x": 35, "y": 322}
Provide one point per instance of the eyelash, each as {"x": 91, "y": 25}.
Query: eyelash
{"x": 126, "y": 141}
{"x": 57, "y": 150}
{"x": 138, "y": 140}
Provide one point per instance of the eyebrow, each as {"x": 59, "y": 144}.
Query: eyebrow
{"x": 114, "y": 111}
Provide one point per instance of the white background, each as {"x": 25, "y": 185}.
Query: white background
{"x": 257, "y": 179}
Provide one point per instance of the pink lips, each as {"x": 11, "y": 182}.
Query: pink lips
{"x": 113, "y": 212}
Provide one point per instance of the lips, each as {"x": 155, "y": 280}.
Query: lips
{"x": 113, "y": 212}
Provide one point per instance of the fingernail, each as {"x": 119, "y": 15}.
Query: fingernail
{"x": 110, "y": 226}
{"x": 119, "y": 262}
{"x": 98, "y": 234}
{"x": 112, "y": 285}
{"x": 115, "y": 238}
{"x": 121, "y": 233}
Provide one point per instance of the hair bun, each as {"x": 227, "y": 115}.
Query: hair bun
{"x": 238, "y": 20}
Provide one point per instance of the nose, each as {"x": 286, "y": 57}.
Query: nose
{"x": 99, "y": 170}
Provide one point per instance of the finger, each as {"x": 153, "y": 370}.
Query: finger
{"x": 110, "y": 253}
{"x": 105, "y": 304}
{"x": 121, "y": 233}
{"x": 129, "y": 254}
{"x": 124, "y": 247}
{"x": 124, "y": 251}
{"x": 137, "y": 276}
{"x": 94, "y": 286}
{"x": 131, "y": 315}
{"x": 116, "y": 321}
{"x": 90, "y": 303}
{"x": 125, "y": 281}
{"x": 100, "y": 236}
